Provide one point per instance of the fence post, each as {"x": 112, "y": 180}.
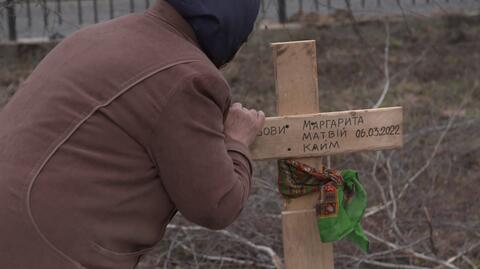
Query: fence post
{"x": 46, "y": 11}
{"x": 59, "y": 12}
{"x": 317, "y": 5}
{"x": 29, "y": 14}
{"x": 282, "y": 11}
{"x": 12, "y": 20}
{"x": 132, "y": 6}
{"x": 95, "y": 11}
{"x": 111, "y": 8}
{"x": 80, "y": 11}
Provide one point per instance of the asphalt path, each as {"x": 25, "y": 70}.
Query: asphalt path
{"x": 47, "y": 21}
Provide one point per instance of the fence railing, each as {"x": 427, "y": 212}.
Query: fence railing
{"x": 11, "y": 20}
{"x": 52, "y": 19}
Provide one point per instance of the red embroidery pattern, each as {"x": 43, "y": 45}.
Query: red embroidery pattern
{"x": 297, "y": 179}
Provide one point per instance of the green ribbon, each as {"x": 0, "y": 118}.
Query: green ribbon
{"x": 341, "y": 203}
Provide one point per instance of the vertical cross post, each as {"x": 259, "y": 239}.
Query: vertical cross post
{"x": 297, "y": 93}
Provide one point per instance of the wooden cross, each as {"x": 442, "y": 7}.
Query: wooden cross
{"x": 300, "y": 131}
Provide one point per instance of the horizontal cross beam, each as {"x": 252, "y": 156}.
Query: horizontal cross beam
{"x": 330, "y": 133}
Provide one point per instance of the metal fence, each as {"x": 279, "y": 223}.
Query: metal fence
{"x": 53, "y": 19}
{"x": 50, "y": 19}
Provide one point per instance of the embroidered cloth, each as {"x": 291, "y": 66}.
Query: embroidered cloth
{"x": 341, "y": 202}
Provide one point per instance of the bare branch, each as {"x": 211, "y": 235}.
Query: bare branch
{"x": 269, "y": 251}
{"x": 385, "y": 66}
{"x": 469, "y": 262}
{"x": 434, "y": 152}
{"x": 430, "y": 229}
{"x": 388, "y": 265}
{"x": 229, "y": 259}
{"x": 412, "y": 252}
{"x": 461, "y": 253}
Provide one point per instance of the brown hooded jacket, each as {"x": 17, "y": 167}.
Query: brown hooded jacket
{"x": 120, "y": 126}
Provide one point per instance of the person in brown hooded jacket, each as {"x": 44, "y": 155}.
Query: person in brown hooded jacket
{"x": 123, "y": 124}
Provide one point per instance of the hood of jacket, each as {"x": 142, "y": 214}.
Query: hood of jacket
{"x": 221, "y": 26}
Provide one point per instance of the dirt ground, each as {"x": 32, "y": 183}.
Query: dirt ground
{"x": 430, "y": 187}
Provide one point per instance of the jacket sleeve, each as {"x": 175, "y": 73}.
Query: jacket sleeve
{"x": 207, "y": 177}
